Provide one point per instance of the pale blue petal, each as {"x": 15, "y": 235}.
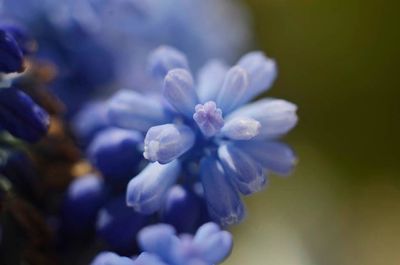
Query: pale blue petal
{"x": 146, "y": 259}
{"x": 167, "y": 142}
{"x": 164, "y": 59}
{"x": 210, "y": 80}
{"x": 157, "y": 239}
{"x": 274, "y": 156}
{"x": 241, "y": 128}
{"x": 147, "y": 191}
{"x": 179, "y": 91}
{"x": 223, "y": 200}
{"x": 262, "y": 73}
{"x": 235, "y": 85}
{"x": 214, "y": 244}
{"x": 131, "y": 110}
{"x": 276, "y": 116}
{"x": 109, "y": 258}
{"x": 247, "y": 174}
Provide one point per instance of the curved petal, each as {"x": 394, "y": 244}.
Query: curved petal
{"x": 147, "y": 191}
{"x": 235, "y": 85}
{"x": 164, "y": 59}
{"x": 157, "y": 239}
{"x": 179, "y": 91}
{"x": 276, "y": 116}
{"x": 109, "y": 258}
{"x": 223, "y": 200}
{"x": 167, "y": 142}
{"x": 210, "y": 80}
{"x": 274, "y": 156}
{"x": 246, "y": 173}
{"x": 241, "y": 128}
{"x": 262, "y": 73}
{"x": 131, "y": 110}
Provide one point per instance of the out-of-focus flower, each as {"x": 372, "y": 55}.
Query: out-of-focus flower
{"x": 184, "y": 209}
{"x": 162, "y": 246}
{"x": 22, "y": 117}
{"x": 11, "y": 56}
{"x": 97, "y": 44}
{"x": 115, "y": 153}
{"x": 118, "y": 225}
{"x": 83, "y": 199}
{"x": 207, "y": 132}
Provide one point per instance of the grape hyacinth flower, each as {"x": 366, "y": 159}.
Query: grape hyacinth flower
{"x": 162, "y": 246}
{"x": 207, "y": 132}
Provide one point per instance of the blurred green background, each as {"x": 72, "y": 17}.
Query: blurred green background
{"x": 339, "y": 61}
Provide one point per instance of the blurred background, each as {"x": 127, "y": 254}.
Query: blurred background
{"x": 338, "y": 61}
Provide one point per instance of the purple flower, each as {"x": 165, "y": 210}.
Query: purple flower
{"x": 210, "y": 245}
{"x": 210, "y": 130}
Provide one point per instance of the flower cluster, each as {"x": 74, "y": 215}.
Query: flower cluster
{"x": 160, "y": 168}
{"x": 207, "y": 132}
{"x": 161, "y": 246}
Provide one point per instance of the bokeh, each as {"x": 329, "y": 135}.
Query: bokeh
{"x": 338, "y": 60}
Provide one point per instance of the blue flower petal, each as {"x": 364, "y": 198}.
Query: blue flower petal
{"x": 22, "y": 117}
{"x": 147, "y": 191}
{"x": 11, "y": 57}
{"x": 157, "y": 239}
{"x": 164, "y": 59}
{"x": 131, "y": 110}
{"x": 147, "y": 259}
{"x": 179, "y": 91}
{"x": 213, "y": 244}
{"x": 115, "y": 153}
{"x": 274, "y": 156}
{"x": 91, "y": 119}
{"x": 235, "y": 85}
{"x": 262, "y": 73}
{"x": 247, "y": 174}
{"x": 241, "y": 128}
{"x": 210, "y": 80}
{"x": 182, "y": 209}
{"x": 167, "y": 142}
{"x": 83, "y": 199}
{"x": 110, "y": 258}
{"x": 118, "y": 225}
{"x": 223, "y": 200}
{"x": 276, "y": 116}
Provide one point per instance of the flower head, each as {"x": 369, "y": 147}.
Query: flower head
{"x": 162, "y": 246}
{"x": 210, "y": 130}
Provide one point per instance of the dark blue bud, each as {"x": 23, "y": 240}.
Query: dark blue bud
{"x": 90, "y": 120}
{"x": 115, "y": 153}
{"x": 11, "y": 56}
{"x": 21, "y": 116}
{"x": 24, "y": 40}
{"x": 118, "y": 225}
{"x": 182, "y": 209}
{"x": 83, "y": 199}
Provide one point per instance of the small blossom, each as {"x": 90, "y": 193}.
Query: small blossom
{"x": 221, "y": 132}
